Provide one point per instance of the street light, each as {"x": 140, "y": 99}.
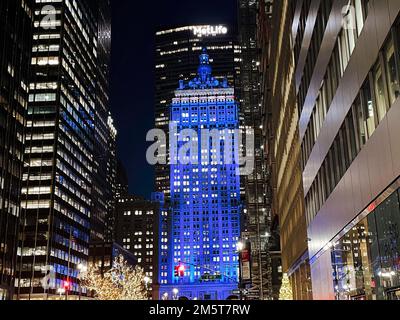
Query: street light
{"x": 175, "y": 292}
{"x": 147, "y": 281}
{"x": 82, "y": 272}
{"x": 165, "y": 296}
{"x": 240, "y": 247}
{"x": 82, "y": 268}
{"x": 61, "y": 291}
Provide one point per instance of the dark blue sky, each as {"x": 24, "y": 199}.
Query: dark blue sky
{"x": 132, "y": 83}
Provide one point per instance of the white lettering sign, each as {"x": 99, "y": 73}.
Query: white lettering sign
{"x": 206, "y": 31}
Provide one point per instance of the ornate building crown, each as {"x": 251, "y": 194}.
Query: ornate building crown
{"x": 205, "y": 80}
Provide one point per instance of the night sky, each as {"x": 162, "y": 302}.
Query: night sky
{"x": 132, "y": 83}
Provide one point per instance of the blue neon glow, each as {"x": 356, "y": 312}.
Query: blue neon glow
{"x": 205, "y": 197}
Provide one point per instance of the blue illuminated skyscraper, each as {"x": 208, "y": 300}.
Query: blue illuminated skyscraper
{"x": 205, "y": 190}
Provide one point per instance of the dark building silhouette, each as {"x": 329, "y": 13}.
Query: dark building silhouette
{"x": 68, "y": 176}
{"x": 137, "y": 230}
{"x": 15, "y": 54}
{"x": 122, "y": 181}
{"x": 258, "y": 195}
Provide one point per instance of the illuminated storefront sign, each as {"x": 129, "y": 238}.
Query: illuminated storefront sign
{"x": 206, "y": 31}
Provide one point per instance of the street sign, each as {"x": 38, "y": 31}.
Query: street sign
{"x": 211, "y": 277}
{"x": 244, "y": 292}
{"x": 246, "y": 268}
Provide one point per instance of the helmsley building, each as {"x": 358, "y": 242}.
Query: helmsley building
{"x": 201, "y": 259}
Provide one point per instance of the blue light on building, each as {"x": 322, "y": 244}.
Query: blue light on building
{"x": 205, "y": 191}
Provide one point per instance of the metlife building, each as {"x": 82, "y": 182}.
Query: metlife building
{"x": 177, "y": 57}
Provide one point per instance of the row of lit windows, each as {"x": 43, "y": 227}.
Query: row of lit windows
{"x": 44, "y": 61}
{"x": 87, "y": 106}
{"x": 73, "y": 189}
{"x": 64, "y": 170}
{"x": 73, "y": 245}
{"x": 320, "y": 25}
{"x": 68, "y": 126}
{"x": 86, "y": 124}
{"x": 339, "y": 60}
{"x": 84, "y": 150}
{"x": 378, "y": 93}
{"x": 205, "y": 246}
{"x": 72, "y": 202}
{"x": 68, "y": 229}
{"x": 138, "y": 213}
{"x": 77, "y": 153}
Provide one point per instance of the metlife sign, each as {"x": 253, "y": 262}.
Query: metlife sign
{"x": 209, "y": 31}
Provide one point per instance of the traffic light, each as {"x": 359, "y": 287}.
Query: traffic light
{"x": 179, "y": 271}
{"x": 176, "y": 273}
{"x": 66, "y": 285}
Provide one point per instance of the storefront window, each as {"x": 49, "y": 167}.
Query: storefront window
{"x": 388, "y": 229}
{"x": 366, "y": 261}
{"x": 353, "y": 264}
{"x": 3, "y": 294}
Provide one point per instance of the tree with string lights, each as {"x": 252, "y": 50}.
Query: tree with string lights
{"x": 286, "y": 292}
{"x": 121, "y": 282}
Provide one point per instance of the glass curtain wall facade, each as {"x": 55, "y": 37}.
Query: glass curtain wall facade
{"x": 105, "y": 134}
{"x": 67, "y": 122}
{"x": 112, "y": 188}
{"x": 349, "y": 154}
{"x": 366, "y": 260}
{"x": 16, "y": 25}
{"x": 205, "y": 190}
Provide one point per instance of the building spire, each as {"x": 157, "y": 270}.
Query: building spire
{"x": 204, "y": 79}
{"x": 204, "y": 57}
{"x": 205, "y": 69}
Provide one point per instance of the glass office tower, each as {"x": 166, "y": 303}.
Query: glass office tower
{"x": 64, "y": 192}
{"x": 105, "y": 133}
{"x": 205, "y": 190}
{"x": 15, "y": 51}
